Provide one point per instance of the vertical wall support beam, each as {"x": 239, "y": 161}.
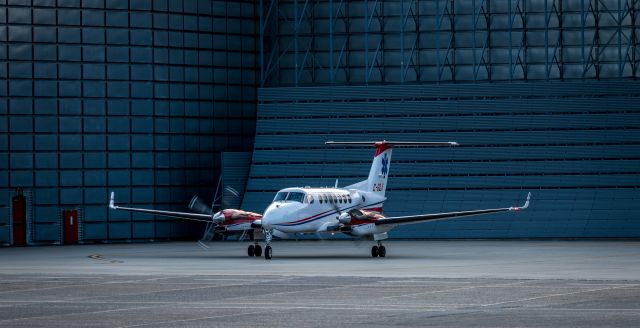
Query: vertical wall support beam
{"x": 366, "y": 41}
{"x": 403, "y": 22}
{"x": 525, "y": 42}
{"x": 448, "y": 11}
{"x": 634, "y": 56}
{"x": 559, "y": 56}
{"x": 332, "y": 73}
{"x": 412, "y": 60}
{"x": 439, "y": 27}
{"x": 546, "y": 39}
{"x": 267, "y": 63}
{"x": 482, "y": 12}
{"x": 476, "y": 14}
{"x": 261, "y": 27}
{"x": 336, "y": 63}
{"x": 452, "y": 43}
{"x": 487, "y": 59}
{"x": 511, "y": 20}
{"x": 296, "y": 27}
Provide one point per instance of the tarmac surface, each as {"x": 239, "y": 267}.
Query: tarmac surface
{"x": 324, "y": 284}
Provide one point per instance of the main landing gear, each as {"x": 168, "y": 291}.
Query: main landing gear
{"x": 254, "y": 250}
{"x": 378, "y": 250}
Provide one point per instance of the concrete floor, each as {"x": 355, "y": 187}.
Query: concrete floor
{"x": 323, "y": 284}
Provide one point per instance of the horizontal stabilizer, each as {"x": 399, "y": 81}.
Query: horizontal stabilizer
{"x": 394, "y": 143}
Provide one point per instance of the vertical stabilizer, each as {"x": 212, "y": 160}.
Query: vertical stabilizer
{"x": 379, "y": 173}
{"x": 377, "y": 180}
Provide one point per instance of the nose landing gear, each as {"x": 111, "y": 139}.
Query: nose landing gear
{"x": 268, "y": 235}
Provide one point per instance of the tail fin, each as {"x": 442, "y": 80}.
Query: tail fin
{"x": 377, "y": 180}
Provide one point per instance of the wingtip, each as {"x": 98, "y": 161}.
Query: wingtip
{"x": 523, "y": 207}
{"x": 526, "y": 204}
{"x": 112, "y": 201}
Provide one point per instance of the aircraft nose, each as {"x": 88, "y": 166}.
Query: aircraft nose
{"x": 269, "y": 215}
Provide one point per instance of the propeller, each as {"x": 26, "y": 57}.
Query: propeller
{"x": 199, "y": 206}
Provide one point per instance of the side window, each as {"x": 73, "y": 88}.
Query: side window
{"x": 364, "y": 199}
{"x": 309, "y": 199}
{"x": 349, "y": 198}
{"x": 320, "y": 198}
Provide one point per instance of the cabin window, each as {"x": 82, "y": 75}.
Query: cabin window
{"x": 296, "y": 197}
{"x": 320, "y": 198}
{"x": 363, "y": 199}
{"x": 349, "y": 198}
{"x": 335, "y": 199}
{"x": 280, "y": 196}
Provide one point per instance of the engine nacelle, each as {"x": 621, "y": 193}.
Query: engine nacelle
{"x": 345, "y": 218}
{"x": 231, "y": 215}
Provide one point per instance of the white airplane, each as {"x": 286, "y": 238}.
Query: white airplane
{"x": 355, "y": 210}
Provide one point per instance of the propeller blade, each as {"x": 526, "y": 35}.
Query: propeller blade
{"x": 198, "y": 206}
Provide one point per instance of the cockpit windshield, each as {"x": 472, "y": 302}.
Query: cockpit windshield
{"x": 289, "y": 196}
{"x": 296, "y": 197}
{"x": 281, "y": 196}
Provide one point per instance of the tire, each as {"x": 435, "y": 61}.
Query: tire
{"x": 382, "y": 251}
{"x": 257, "y": 251}
{"x": 250, "y": 250}
{"x": 374, "y": 251}
{"x": 267, "y": 253}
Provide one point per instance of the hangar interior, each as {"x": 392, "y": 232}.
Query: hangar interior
{"x": 157, "y": 100}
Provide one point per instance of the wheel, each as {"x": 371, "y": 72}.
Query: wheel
{"x": 257, "y": 251}
{"x": 250, "y": 250}
{"x": 374, "y": 251}
{"x": 382, "y": 251}
{"x": 267, "y": 253}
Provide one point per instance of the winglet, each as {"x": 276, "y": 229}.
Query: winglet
{"x": 526, "y": 204}
{"x": 523, "y": 207}
{"x": 112, "y": 201}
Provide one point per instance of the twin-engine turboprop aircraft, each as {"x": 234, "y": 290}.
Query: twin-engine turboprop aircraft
{"x": 355, "y": 210}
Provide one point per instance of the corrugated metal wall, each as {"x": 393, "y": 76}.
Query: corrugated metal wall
{"x": 137, "y": 97}
{"x": 311, "y": 42}
{"x": 235, "y": 172}
{"x": 575, "y": 146}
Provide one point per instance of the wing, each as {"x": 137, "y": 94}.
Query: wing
{"x": 179, "y": 215}
{"x": 445, "y": 216}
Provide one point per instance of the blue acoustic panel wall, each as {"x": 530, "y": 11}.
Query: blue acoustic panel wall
{"x": 444, "y": 41}
{"x": 125, "y": 96}
{"x": 574, "y": 145}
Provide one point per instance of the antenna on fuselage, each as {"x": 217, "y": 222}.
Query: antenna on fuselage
{"x": 336, "y": 185}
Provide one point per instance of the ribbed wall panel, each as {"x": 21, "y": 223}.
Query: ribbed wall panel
{"x": 476, "y": 107}
{"x": 575, "y": 146}
{"x": 138, "y": 97}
